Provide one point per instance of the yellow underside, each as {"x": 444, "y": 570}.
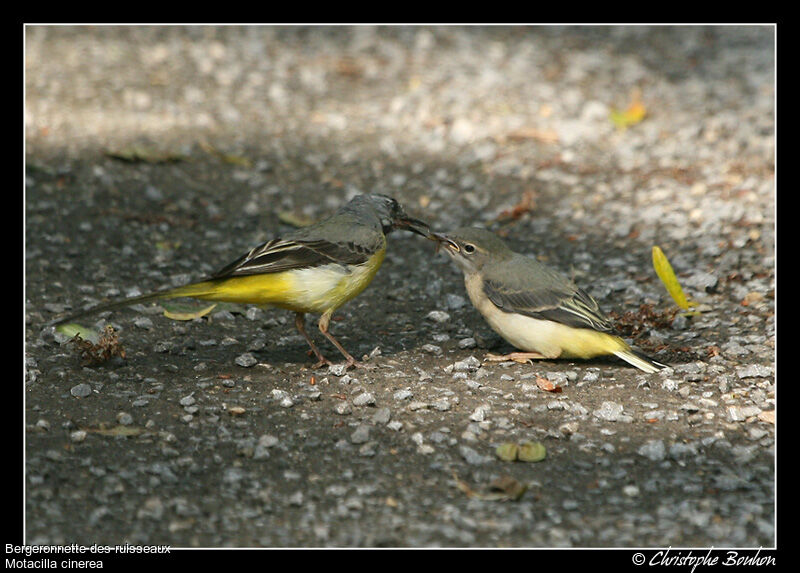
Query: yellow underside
{"x": 314, "y": 290}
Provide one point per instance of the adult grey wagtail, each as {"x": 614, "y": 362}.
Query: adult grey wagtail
{"x": 533, "y": 307}
{"x": 315, "y": 269}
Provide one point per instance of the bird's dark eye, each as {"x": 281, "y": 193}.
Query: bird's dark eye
{"x": 469, "y": 249}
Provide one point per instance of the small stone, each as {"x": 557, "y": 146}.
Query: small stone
{"x": 81, "y": 390}
{"x": 630, "y": 490}
{"x": 591, "y": 376}
{"x": 701, "y": 281}
{"x": 670, "y": 385}
{"x": 338, "y": 369}
{"x": 466, "y": 343}
{"x": 143, "y": 323}
{"x": 124, "y": 419}
{"x": 432, "y": 349}
{"x": 368, "y": 449}
{"x": 360, "y": 435}
{"x": 438, "y": 316}
{"x": 187, "y": 400}
{"x": 442, "y": 405}
{"x": 403, "y": 395}
{"x": 610, "y": 411}
{"x": 754, "y": 371}
{"x": 654, "y": 450}
{"x": 246, "y": 360}
{"x": 472, "y": 457}
{"x": 568, "y": 428}
{"x": 382, "y": 416}
{"x": 741, "y": 413}
{"x": 364, "y": 399}
{"x": 77, "y": 435}
{"x": 454, "y": 301}
{"x": 479, "y": 414}
{"x": 467, "y": 365}
{"x": 343, "y": 408}
{"x": 679, "y": 450}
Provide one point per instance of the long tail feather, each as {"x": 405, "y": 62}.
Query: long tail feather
{"x": 639, "y": 359}
{"x": 188, "y": 290}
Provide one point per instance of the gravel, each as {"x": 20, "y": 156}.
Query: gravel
{"x": 216, "y": 432}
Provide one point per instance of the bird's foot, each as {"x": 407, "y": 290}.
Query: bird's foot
{"x": 520, "y": 357}
{"x": 322, "y": 362}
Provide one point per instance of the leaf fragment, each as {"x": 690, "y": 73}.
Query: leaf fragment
{"x": 548, "y": 385}
{"x": 188, "y": 314}
{"x": 633, "y": 114}
{"x": 510, "y": 487}
{"x": 524, "y": 452}
{"x": 504, "y": 488}
{"x": 507, "y": 451}
{"x": 667, "y": 275}
{"x": 119, "y": 430}
{"x": 106, "y": 346}
{"x": 144, "y": 154}
{"x": 73, "y": 329}
{"x": 531, "y": 452}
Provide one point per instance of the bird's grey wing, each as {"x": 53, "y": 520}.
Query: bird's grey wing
{"x": 280, "y": 255}
{"x": 573, "y": 307}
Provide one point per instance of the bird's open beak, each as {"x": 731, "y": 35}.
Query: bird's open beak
{"x": 413, "y": 225}
{"x": 444, "y": 240}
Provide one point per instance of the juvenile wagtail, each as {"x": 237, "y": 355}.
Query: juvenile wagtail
{"x": 533, "y": 307}
{"x": 315, "y": 269}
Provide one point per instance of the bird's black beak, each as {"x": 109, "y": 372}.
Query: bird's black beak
{"x": 414, "y": 225}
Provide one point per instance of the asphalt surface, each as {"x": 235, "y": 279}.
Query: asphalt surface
{"x": 156, "y": 155}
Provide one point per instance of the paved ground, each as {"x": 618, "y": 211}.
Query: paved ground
{"x": 156, "y": 155}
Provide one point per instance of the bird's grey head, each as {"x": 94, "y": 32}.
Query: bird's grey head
{"x": 388, "y": 211}
{"x": 472, "y": 247}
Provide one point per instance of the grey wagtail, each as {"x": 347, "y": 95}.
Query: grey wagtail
{"x": 315, "y": 269}
{"x": 532, "y": 306}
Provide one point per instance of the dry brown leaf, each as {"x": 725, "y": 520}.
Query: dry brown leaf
{"x": 547, "y": 385}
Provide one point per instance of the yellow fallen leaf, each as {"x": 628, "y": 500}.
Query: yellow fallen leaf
{"x": 144, "y": 154}
{"x": 633, "y": 114}
{"x": 191, "y": 315}
{"x": 116, "y": 431}
{"x": 531, "y": 452}
{"x": 72, "y": 329}
{"x": 507, "y": 451}
{"x": 667, "y": 275}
